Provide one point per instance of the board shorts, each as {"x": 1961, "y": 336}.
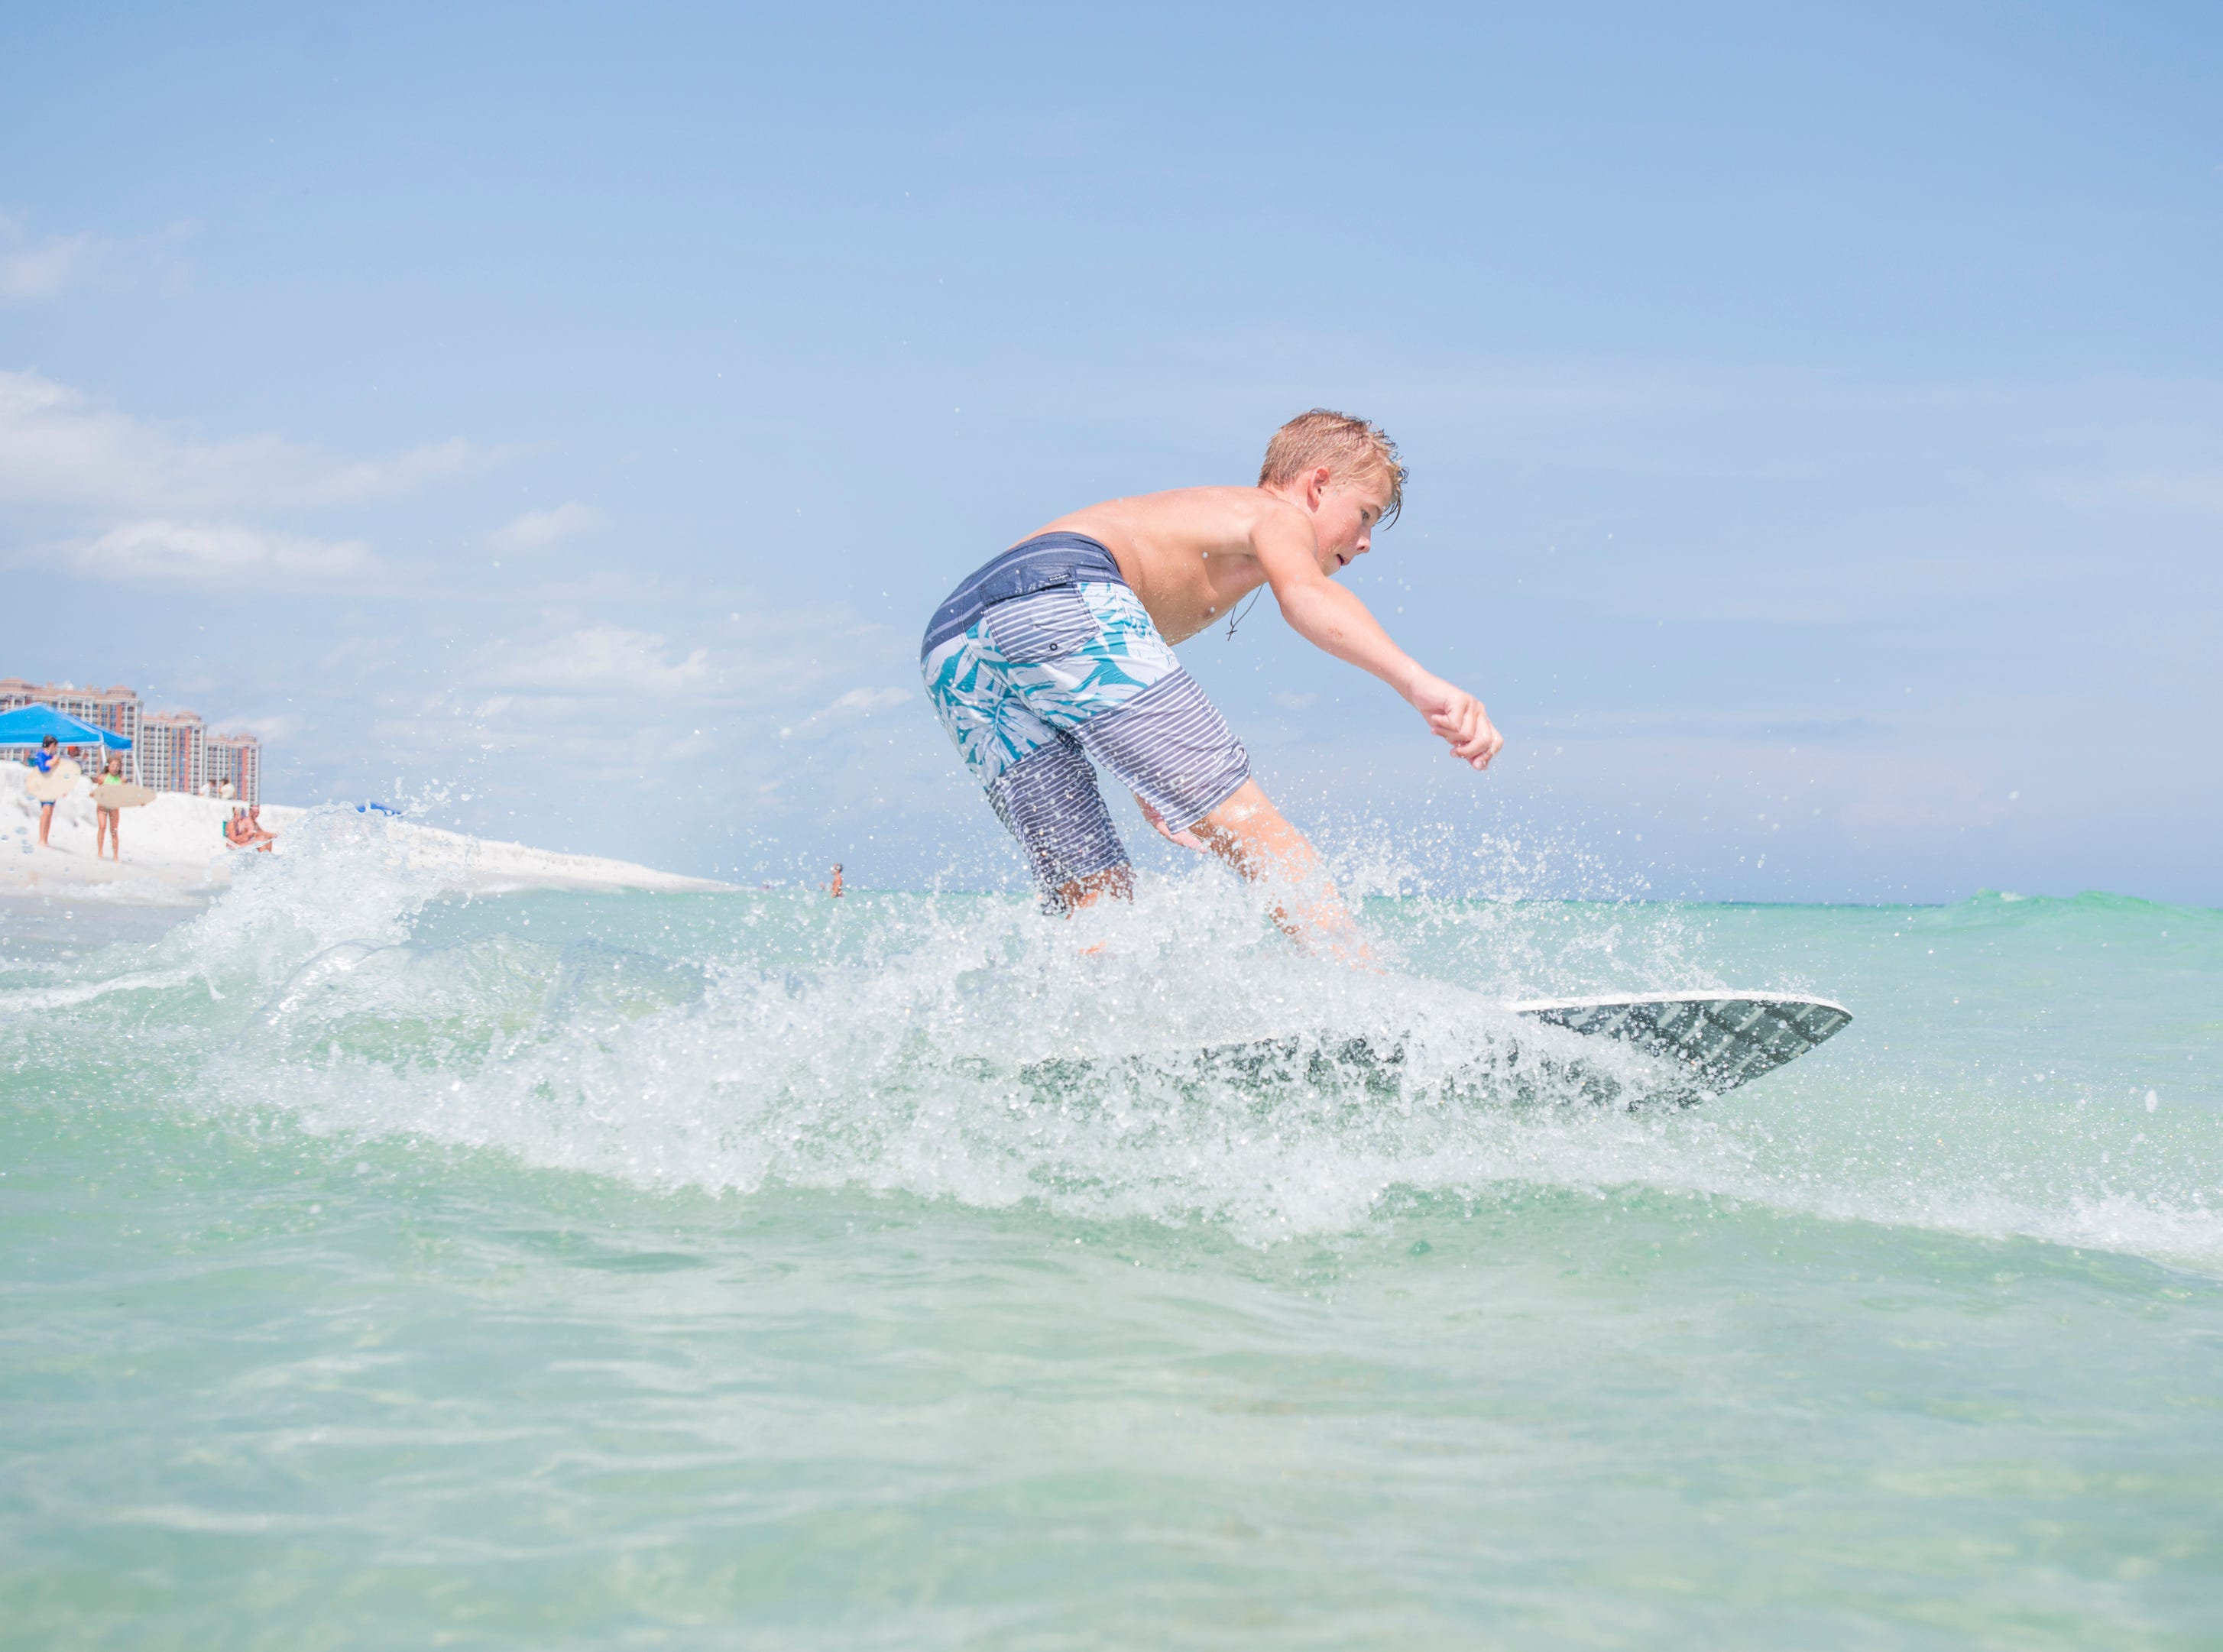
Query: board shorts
{"x": 1045, "y": 658}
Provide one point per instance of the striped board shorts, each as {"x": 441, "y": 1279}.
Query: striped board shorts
{"x": 1045, "y": 658}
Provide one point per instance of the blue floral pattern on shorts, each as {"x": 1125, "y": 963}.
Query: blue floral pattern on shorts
{"x": 1000, "y": 711}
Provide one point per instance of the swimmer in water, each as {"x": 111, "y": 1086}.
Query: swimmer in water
{"x": 1058, "y": 652}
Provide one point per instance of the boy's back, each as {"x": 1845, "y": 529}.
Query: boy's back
{"x": 1188, "y": 554}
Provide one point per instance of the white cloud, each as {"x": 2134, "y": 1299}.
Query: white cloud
{"x": 718, "y": 698}
{"x": 868, "y": 700}
{"x": 537, "y": 528}
{"x": 2181, "y": 491}
{"x": 856, "y": 702}
{"x": 59, "y": 450}
{"x": 598, "y": 660}
{"x": 222, "y": 554}
{"x": 1070, "y": 137}
{"x": 773, "y": 663}
{"x": 273, "y": 728}
{"x": 41, "y": 269}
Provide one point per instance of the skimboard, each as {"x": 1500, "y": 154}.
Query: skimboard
{"x": 1693, "y": 1045}
{"x": 55, "y": 785}
{"x": 1716, "y": 1040}
{"x": 124, "y": 796}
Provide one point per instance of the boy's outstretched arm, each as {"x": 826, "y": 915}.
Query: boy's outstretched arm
{"x": 1330, "y": 618}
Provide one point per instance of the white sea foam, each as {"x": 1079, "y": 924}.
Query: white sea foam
{"x": 965, "y": 1049}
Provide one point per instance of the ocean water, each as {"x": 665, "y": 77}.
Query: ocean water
{"x": 384, "y": 1270}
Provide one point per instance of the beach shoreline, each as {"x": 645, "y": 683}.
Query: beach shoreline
{"x": 174, "y": 853}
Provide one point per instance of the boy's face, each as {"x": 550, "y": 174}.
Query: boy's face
{"x": 1346, "y": 518}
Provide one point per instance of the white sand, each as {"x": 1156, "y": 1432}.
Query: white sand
{"x": 174, "y": 852}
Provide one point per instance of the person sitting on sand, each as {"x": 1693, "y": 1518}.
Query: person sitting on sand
{"x": 1057, "y": 651}
{"x": 108, "y": 832}
{"x": 245, "y": 830}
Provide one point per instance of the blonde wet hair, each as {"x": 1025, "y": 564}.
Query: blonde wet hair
{"x": 1352, "y": 449}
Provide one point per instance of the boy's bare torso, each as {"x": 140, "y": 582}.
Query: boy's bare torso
{"x": 1187, "y": 554}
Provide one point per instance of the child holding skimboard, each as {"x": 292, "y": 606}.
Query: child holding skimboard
{"x": 107, "y": 800}
{"x": 63, "y": 771}
{"x": 1058, "y": 652}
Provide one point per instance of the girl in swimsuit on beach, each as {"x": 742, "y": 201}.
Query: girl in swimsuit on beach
{"x": 108, "y": 831}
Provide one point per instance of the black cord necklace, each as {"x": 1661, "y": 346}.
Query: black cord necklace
{"x": 1243, "y": 612}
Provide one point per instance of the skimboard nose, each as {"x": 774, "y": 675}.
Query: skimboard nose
{"x": 1721, "y": 1040}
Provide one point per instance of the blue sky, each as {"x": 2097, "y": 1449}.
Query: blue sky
{"x": 1816, "y": 414}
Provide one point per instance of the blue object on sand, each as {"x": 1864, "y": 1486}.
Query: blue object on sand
{"x": 29, "y": 725}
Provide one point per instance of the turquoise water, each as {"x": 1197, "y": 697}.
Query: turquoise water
{"x": 554, "y": 1270}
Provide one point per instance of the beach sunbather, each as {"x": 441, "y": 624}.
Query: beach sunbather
{"x": 245, "y": 830}
{"x": 1057, "y": 651}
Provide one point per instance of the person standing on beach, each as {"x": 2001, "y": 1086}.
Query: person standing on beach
{"x": 43, "y": 760}
{"x": 1058, "y": 651}
{"x": 834, "y": 888}
{"x": 108, "y": 832}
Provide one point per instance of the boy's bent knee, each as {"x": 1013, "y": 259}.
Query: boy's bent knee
{"x": 1243, "y": 807}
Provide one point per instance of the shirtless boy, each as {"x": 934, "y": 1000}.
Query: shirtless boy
{"x": 1058, "y": 651}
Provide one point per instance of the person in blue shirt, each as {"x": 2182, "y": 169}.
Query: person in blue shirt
{"x": 43, "y": 760}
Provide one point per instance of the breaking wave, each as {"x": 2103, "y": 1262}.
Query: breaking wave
{"x": 1175, "y": 1062}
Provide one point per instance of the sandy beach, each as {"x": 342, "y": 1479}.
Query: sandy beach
{"x": 174, "y": 852}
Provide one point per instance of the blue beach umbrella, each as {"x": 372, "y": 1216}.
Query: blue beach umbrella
{"x": 29, "y": 725}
